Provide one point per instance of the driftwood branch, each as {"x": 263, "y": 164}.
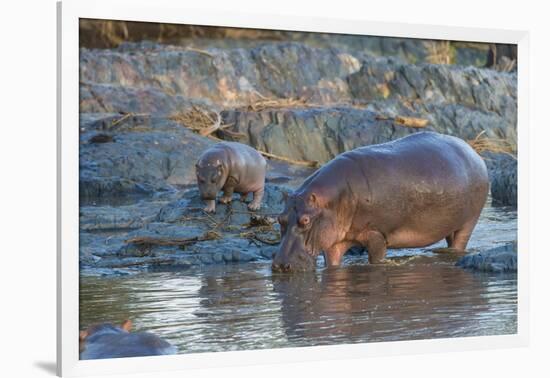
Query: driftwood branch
{"x": 251, "y": 235}
{"x": 312, "y": 164}
{"x": 126, "y": 116}
{"x": 147, "y": 240}
{"x": 411, "y": 121}
{"x": 199, "y": 51}
{"x": 167, "y": 241}
{"x": 405, "y": 121}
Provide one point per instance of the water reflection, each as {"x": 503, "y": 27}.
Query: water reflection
{"x": 412, "y": 301}
{"x": 237, "y": 307}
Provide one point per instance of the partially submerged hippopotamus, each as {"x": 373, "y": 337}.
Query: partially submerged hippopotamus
{"x": 109, "y": 341}
{"x": 411, "y": 192}
{"x": 231, "y": 167}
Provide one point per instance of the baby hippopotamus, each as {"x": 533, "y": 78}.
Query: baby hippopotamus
{"x": 231, "y": 167}
{"x": 408, "y": 193}
{"x": 108, "y": 341}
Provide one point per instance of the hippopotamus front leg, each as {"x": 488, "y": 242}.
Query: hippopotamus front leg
{"x": 210, "y": 206}
{"x": 376, "y": 247}
{"x": 227, "y": 194}
{"x": 334, "y": 254}
{"x": 257, "y": 200}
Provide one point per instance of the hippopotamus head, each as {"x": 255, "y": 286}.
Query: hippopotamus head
{"x": 210, "y": 178}
{"x": 101, "y": 329}
{"x": 109, "y": 341}
{"x": 307, "y": 228}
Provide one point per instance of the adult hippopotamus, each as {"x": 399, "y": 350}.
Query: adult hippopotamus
{"x": 108, "y": 341}
{"x": 231, "y": 167}
{"x": 411, "y": 192}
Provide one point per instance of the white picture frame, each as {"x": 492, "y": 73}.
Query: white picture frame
{"x": 69, "y": 12}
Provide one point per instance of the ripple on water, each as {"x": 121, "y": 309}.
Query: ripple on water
{"x": 421, "y": 295}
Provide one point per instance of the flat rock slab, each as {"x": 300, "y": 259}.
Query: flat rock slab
{"x": 497, "y": 260}
{"x": 310, "y": 134}
{"x": 95, "y": 218}
{"x": 147, "y": 155}
{"x": 180, "y": 235}
{"x": 503, "y": 173}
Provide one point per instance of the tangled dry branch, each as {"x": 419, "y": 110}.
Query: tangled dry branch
{"x": 199, "y": 120}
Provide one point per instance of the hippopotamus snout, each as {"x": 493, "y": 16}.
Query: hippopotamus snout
{"x": 289, "y": 267}
{"x": 280, "y": 267}
{"x": 292, "y": 255}
{"x": 300, "y": 261}
{"x": 207, "y": 196}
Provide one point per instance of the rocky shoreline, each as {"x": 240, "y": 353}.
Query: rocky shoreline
{"x": 295, "y": 100}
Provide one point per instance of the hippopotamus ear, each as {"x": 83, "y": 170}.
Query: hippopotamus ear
{"x": 285, "y": 196}
{"x": 317, "y": 200}
{"x": 82, "y": 335}
{"x": 126, "y": 325}
{"x": 312, "y": 199}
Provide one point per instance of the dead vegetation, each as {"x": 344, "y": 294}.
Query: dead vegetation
{"x": 440, "y": 52}
{"x": 202, "y": 121}
{"x": 259, "y": 229}
{"x": 482, "y": 143}
{"x": 198, "y": 119}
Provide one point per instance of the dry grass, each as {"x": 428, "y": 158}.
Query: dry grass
{"x": 482, "y": 144}
{"x": 113, "y": 32}
{"x": 440, "y": 52}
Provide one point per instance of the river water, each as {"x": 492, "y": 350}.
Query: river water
{"x": 417, "y": 295}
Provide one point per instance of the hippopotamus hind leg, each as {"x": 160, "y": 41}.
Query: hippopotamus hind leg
{"x": 459, "y": 239}
{"x": 449, "y": 240}
{"x": 376, "y": 247}
{"x": 257, "y": 200}
{"x": 243, "y": 197}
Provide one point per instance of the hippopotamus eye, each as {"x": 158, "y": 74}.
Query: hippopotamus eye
{"x": 304, "y": 220}
{"x": 201, "y": 180}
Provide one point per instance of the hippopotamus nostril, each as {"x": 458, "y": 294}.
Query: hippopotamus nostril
{"x": 276, "y": 267}
{"x": 286, "y": 267}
